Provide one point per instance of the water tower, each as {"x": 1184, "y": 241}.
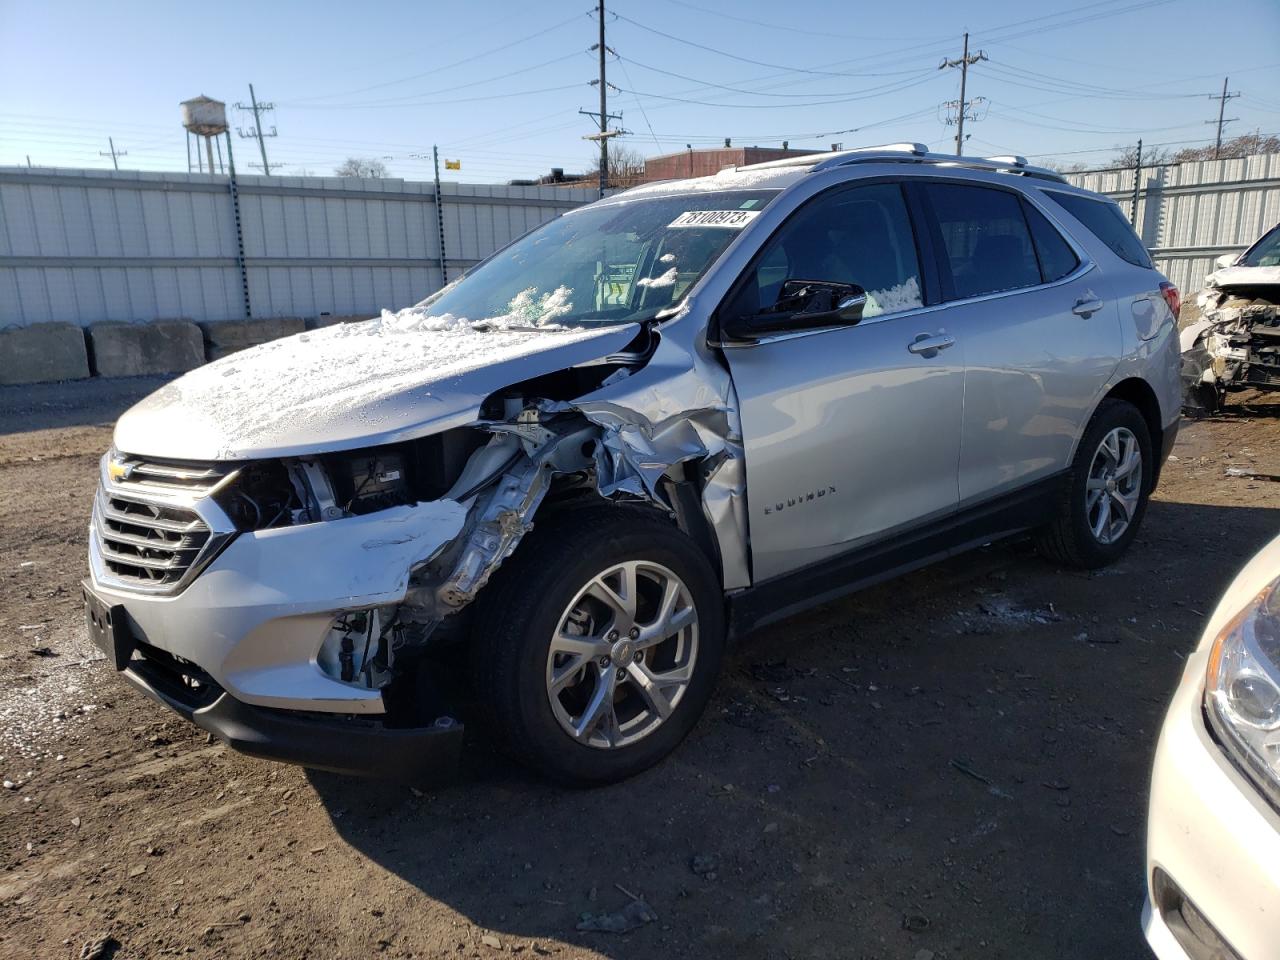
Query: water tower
{"x": 206, "y": 119}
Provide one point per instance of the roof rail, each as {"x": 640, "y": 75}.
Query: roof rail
{"x": 820, "y": 161}
{"x": 910, "y": 153}
{"x": 1005, "y": 164}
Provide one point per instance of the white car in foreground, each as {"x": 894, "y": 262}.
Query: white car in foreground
{"x": 1213, "y": 833}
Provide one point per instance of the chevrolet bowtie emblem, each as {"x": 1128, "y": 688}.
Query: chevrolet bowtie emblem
{"x": 119, "y": 470}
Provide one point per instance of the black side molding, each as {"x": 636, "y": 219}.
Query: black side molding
{"x": 900, "y": 552}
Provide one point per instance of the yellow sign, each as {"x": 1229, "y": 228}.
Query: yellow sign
{"x": 453, "y": 164}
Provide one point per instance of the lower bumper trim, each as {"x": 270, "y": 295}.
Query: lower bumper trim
{"x": 341, "y": 745}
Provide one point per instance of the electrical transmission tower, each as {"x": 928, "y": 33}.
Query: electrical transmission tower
{"x": 962, "y": 105}
{"x": 604, "y": 116}
{"x": 256, "y": 132}
{"x": 1222, "y": 99}
{"x": 114, "y": 154}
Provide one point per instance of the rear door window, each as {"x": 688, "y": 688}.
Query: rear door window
{"x": 1107, "y": 223}
{"x": 1056, "y": 257}
{"x": 986, "y": 245}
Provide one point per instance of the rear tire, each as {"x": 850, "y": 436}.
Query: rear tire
{"x": 1105, "y": 498}
{"x": 574, "y": 685}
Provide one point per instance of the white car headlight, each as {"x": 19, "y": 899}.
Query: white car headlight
{"x": 1242, "y": 688}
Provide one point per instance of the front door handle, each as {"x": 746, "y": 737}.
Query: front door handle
{"x": 928, "y": 344}
{"x": 1086, "y": 307}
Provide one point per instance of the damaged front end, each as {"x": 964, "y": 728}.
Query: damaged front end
{"x": 654, "y": 425}
{"x": 1234, "y": 346}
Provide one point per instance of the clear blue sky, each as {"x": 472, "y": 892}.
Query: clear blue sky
{"x": 498, "y": 84}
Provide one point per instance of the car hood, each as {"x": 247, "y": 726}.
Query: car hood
{"x": 1229, "y": 277}
{"x": 359, "y": 384}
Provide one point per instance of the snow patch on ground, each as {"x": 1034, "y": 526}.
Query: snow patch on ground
{"x": 53, "y": 693}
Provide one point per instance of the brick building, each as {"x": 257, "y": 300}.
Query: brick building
{"x": 703, "y": 163}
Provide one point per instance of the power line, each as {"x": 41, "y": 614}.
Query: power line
{"x": 760, "y": 93}
{"x": 439, "y": 69}
{"x": 1102, "y": 15}
{"x": 869, "y": 93}
{"x": 741, "y": 59}
{"x": 376, "y": 105}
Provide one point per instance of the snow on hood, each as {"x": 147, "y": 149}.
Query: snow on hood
{"x": 1243, "y": 277}
{"x": 394, "y": 377}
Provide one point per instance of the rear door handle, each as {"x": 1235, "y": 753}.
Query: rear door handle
{"x": 929, "y": 344}
{"x": 1087, "y": 307}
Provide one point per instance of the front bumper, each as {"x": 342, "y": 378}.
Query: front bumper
{"x": 351, "y": 745}
{"x": 255, "y": 617}
{"x": 1215, "y": 838}
{"x": 251, "y": 626}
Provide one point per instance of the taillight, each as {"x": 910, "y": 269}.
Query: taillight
{"x": 1172, "y": 297}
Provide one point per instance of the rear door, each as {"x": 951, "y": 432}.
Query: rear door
{"x": 850, "y": 432}
{"x": 1040, "y": 340}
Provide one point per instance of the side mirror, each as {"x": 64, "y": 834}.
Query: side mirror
{"x": 803, "y": 305}
{"x": 1226, "y": 260}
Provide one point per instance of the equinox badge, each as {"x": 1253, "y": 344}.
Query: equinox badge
{"x": 828, "y": 491}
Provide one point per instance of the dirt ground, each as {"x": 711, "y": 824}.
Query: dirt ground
{"x": 951, "y": 765}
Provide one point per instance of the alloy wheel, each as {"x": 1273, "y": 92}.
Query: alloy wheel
{"x": 1114, "y": 488}
{"x": 623, "y": 654}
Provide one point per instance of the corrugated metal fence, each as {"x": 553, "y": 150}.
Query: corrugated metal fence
{"x": 1190, "y": 213}
{"x": 90, "y": 245}
{"x": 85, "y": 246}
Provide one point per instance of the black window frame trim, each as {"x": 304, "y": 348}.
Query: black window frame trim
{"x": 935, "y": 231}
{"x": 930, "y": 279}
{"x": 1102, "y": 201}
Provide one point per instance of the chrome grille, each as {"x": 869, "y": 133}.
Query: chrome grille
{"x": 151, "y": 521}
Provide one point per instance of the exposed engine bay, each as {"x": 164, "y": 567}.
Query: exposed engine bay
{"x": 1234, "y": 346}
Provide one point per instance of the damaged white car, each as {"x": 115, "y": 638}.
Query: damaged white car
{"x": 1236, "y": 343}
{"x": 550, "y": 493}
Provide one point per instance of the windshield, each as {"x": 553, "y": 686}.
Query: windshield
{"x": 1265, "y": 253}
{"x": 608, "y": 264}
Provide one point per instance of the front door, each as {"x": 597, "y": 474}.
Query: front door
{"x": 850, "y": 432}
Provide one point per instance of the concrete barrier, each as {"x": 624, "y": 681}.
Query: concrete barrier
{"x": 223, "y": 337}
{"x": 42, "y": 352}
{"x": 137, "y": 349}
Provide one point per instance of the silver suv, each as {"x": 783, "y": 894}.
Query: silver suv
{"x": 549, "y": 494}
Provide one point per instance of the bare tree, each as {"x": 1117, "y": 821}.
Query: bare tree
{"x": 368, "y": 167}
{"x": 1241, "y": 146}
{"x": 1128, "y": 157}
{"x": 626, "y": 166}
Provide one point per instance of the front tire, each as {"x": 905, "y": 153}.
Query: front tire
{"x": 1105, "y": 498}
{"x": 598, "y": 644}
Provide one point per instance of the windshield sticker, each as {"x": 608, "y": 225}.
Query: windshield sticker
{"x": 727, "y": 219}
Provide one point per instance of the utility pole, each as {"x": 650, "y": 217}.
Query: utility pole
{"x": 1137, "y": 180}
{"x": 604, "y": 116}
{"x": 257, "y": 109}
{"x": 604, "y": 107}
{"x": 439, "y": 204}
{"x": 1222, "y": 99}
{"x": 114, "y": 154}
{"x": 964, "y": 63}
